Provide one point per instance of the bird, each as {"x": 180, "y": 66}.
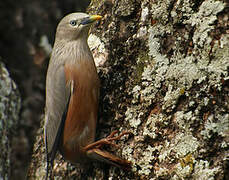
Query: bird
{"x": 72, "y": 98}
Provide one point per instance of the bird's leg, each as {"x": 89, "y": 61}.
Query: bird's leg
{"x": 108, "y": 140}
{"x": 95, "y": 152}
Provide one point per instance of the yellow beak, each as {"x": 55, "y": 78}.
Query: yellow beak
{"x": 90, "y": 19}
{"x": 95, "y": 17}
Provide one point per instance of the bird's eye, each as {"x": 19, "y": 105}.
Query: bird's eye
{"x": 73, "y": 22}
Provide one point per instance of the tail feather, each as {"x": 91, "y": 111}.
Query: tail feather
{"x": 49, "y": 161}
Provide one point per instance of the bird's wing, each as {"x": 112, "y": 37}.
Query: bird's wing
{"x": 57, "y": 99}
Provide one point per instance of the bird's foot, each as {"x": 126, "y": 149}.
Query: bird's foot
{"x": 95, "y": 152}
{"x": 106, "y": 141}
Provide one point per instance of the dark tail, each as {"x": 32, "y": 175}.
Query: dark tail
{"x": 49, "y": 162}
{"x": 49, "y": 166}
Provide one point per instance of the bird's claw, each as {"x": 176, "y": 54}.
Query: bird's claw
{"x": 108, "y": 141}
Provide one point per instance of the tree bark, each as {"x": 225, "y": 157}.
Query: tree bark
{"x": 10, "y": 103}
{"x": 164, "y": 76}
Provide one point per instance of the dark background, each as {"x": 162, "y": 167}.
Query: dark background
{"x": 22, "y": 24}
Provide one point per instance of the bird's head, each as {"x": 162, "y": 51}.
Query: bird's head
{"x": 75, "y": 26}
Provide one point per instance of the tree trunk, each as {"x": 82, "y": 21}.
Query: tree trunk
{"x": 164, "y": 76}
{"x": 10, "y": 103}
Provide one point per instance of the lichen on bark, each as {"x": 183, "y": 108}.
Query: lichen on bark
{"x": 9, "y": 117}
{"x": 165, "y": 79}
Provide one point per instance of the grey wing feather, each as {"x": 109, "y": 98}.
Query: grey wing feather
{"x": 57, "y": 97}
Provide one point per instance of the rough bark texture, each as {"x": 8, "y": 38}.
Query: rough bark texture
{"x": 10, "y": 104}
{"x": 164, "y": 71}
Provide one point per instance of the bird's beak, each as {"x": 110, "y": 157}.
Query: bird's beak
{"x": 90, "y": 19}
